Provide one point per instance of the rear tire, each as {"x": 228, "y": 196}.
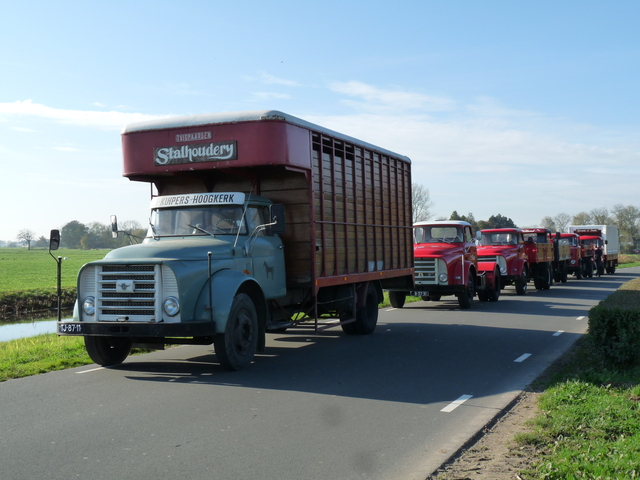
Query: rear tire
{"x": 367, "y": 315}
{"x": 107, "y": 351}
{"x": 521, "y": 283}
{"x": 236, "y": 347}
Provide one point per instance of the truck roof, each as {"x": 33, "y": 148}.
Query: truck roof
{"x": 242, "y": 117}
{"x": 500, "y": 230}
{"x": 441, "y": 222}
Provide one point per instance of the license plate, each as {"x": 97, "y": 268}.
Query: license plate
{"x": 70, "y": 328}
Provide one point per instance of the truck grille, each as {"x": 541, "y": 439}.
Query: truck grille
{"x": 426, "y": 271}
{"x": 128, "y": 292}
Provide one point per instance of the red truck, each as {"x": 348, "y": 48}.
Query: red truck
{"x": 606, "y": 237}
{"x": 580, "y": 264}
{"x": 506, "y": 247}
{"x": 446, "y": 263}
{"x": 548, "y": 260}
{"x": 261, "y": 221}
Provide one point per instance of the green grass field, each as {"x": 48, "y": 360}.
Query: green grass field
{"x": 22, "y": 269}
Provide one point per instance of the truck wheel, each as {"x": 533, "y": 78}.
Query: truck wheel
{"x": 579, "y": 270}
{"x": 367, "y": 315}
{"x": 107, "y": 351}
{"x": 465, "y": 299}
{"x": 494, "y": 294}
{"x": 397, "y": 299}
{"x": 548, "y": 280}
{"x": 521, "y": 283}
{"x": 236, "y": 347}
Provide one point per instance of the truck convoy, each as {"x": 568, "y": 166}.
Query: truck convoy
{"x": 261, "y": 221}
{"x": 604, "y": 236}
{"x": 446, "y": 263}
{"x": 524, "y": 255}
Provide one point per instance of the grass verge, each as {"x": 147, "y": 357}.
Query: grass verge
{"x": 589, "y": 420}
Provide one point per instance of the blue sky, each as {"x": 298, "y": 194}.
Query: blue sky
{"x": 524, "y": 109}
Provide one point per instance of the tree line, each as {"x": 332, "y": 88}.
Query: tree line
{"x": 77, "y": 235}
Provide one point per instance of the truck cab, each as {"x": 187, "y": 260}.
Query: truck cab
{"x": 505, "y": 246}
{"x": 446, "y": 263}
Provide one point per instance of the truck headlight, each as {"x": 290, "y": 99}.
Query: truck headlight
{"x": 443, "y": 277}
{"x": 89, "y": 305}
{"x": 171, "y": 306}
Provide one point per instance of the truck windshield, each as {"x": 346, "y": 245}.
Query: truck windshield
{"x": 440, "y": 234}
{"x": 499, "y": 239}
{"x": 211, "y": 220}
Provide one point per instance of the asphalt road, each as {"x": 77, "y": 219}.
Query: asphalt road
{"x": 392, "y": 405}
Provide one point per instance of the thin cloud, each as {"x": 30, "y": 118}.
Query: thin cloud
{"x": 85, "y": 118}
{"x": 269, "y": 79}
{"x": 373, "y": 98}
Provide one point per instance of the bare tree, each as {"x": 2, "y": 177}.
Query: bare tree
{"x": 26, "y": 236}
{"x": 600, "y": 216}
{"x": 582, "y": 218}
{"x": 548, "y": 222}
{"x": 562, "y": 221}
{"x": 421, "y": 202}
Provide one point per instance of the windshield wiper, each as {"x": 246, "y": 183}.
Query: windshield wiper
{"x": 200, "y": 229}
{"x": 153, "y": 230}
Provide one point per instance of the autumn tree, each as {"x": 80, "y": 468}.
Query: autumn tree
{"x": 582, "y": 218}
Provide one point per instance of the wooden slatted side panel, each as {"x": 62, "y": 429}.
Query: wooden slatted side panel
{"x": 292, "y": 190}
{"x": 362, "y": 211}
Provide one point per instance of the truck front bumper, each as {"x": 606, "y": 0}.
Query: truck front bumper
{"x": 425, "y": 290}
{"x": 137, "y": 330}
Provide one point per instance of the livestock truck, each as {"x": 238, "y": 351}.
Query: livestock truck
{"x": 604, "y": 236}
{"x": 446, "y": 263}
{"x": 506, "y": 247}
{"x": 260, "y": 221}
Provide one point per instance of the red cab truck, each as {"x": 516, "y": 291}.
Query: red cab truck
{"x": 506, "y": 247}
{"x": 604, "y": 236}
{"x": 580, "y": 256}
{"x": 261, "y": 221}
{"x": 446, "y": 263}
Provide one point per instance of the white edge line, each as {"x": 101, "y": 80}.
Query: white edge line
{"x": 453, "y": 405}
{"x": 522, "y": 358}
{"x": 91, "y": 370}
{"x": 581, "y": 318}
{"x": 558, "y": 333}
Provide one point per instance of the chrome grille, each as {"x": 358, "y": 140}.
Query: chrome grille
{"x": 136, "y": 300}
{"x": 426, "y": 271}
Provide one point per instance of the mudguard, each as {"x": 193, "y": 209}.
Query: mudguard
{"x": 222, "y": 288}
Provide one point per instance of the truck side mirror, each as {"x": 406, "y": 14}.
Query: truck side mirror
{"x": 114, "y": 226}
{"x": 54, "y": 240}
{"x": 277, "y": 217}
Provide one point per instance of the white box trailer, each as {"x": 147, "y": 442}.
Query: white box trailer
{"x": 606, "y": 236}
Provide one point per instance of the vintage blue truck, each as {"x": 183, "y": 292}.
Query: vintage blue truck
{"x": 260, "y": 221}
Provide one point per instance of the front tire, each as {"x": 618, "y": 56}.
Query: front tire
{"x": 107, "y": 351}
{"x": 521, "y": 283}
{"x": 236, "y": 347}
{"x": 397, "y": 299}
{"x": 465, "y": 298}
